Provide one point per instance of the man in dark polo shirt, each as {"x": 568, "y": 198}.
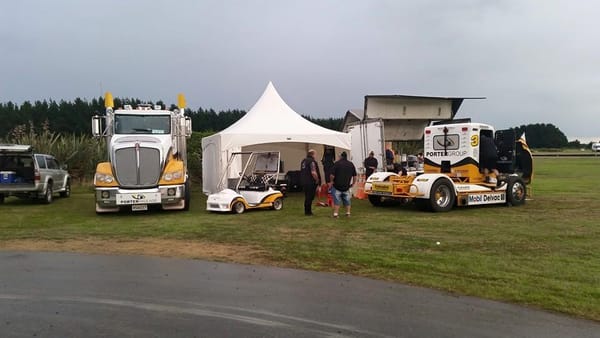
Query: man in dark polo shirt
{"x": 310, "y": 176}
{"x": 343, "y": 176}
{"x": 371, "y": 164}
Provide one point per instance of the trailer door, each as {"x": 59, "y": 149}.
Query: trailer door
{"x": 367, "y": 136}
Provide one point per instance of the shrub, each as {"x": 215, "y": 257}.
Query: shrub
{"x": 80, "y": 153}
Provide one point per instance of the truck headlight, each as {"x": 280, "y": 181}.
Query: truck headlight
{"x": 173, "y": 175}
{"x": 104, "y": 178}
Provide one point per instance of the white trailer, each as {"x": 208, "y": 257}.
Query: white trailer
{"x": 367, "y": 136}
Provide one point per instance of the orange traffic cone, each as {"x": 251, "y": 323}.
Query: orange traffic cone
{"x": 322, "y": 192}
{"x": 360, "y": 188}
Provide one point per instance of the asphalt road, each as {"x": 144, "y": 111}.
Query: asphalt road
{"x": 76, "y": 295}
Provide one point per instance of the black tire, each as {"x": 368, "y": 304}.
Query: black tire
{"x": 375, "y": 200}
{"x": 441, "y": 197}
{"x": 187, "y": 196}
{"x": 516, "y": 192}
{"x": 1, "y": 198}
{"x": 47, "y": 199}
{"x": 67, "y": 192}
{"x": 238, "y": 207}
{"x": 277, "y": 204}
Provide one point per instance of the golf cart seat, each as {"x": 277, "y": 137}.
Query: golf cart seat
{"x": 259, "y": 182}
{"x": 269, "y": 179}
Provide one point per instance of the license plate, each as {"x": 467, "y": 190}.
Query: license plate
{"x": 382, "y": 187}
{"x": 375, "y": 192}
{"x": 139, "y": 207}
{"x": 138, "y": 198}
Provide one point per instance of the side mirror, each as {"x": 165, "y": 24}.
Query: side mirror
{"x": 188, "y": 126}
{"x": 64, "y": 166}
{"x": 97, "y": 126}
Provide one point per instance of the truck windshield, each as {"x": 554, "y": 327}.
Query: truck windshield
{"x": 142, "y": 124}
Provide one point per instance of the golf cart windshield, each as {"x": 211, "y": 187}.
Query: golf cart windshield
{"x": 260, "y": 170}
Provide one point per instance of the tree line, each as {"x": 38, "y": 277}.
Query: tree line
{"x": 542, "y": 135}
{"x": 62, "y": 128}
{"x": 73, "y": 118}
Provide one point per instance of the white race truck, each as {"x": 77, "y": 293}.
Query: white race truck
{"x": 453, "y": 174}
{"x": 147, "y": 158}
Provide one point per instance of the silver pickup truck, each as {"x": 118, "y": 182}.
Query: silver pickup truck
{"x": 25, "y": 174}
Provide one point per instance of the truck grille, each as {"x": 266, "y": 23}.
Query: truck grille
{"x": 132, "y": 172}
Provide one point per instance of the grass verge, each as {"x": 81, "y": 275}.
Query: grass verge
{"x": 543, "y": 254}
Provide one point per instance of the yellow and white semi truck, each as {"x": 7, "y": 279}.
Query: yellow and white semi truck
{"x": 453, "y": 174}
{"x": 147, "y": 157}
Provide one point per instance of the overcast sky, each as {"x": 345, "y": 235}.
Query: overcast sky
{"x": 535, "y": 61}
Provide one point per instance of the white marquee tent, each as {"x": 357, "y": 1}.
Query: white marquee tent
{"x": 271, "y": 125}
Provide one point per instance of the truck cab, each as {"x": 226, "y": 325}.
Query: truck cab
{"x": 454, "y": 172}
{"x": 147, "y": 158}
{"x": 456, "y": 149}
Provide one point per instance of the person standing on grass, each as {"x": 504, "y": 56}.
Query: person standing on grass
{"x": 310, "y": 177}
{"x": 328, "y": 160}
{"x": 343, "y": 176}
{"x": 371, "y": 164}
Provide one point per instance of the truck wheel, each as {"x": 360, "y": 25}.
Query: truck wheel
{"x": 238, "y": 207}
{"x": 442, "y": 196}
{"x": 67, "y": 191}
{"x": 48, "y": 194}
{"x": 1, "y": 198}
{"x": 187, "y": 196}
{"x": 515, "y": 192}
{"x": 375, "y": 200}
{"x": 277, "y": 204}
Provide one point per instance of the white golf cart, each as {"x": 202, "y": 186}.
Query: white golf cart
{"x": 254, "y": 186}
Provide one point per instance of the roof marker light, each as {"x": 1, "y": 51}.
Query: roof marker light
{"x": 108, "y": 100}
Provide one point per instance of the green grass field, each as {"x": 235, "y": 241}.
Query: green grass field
{"x": 543, "y": 254}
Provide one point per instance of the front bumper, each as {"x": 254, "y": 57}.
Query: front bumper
{"x": 168, "y": 195}
{"x": 221, "y": 201}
